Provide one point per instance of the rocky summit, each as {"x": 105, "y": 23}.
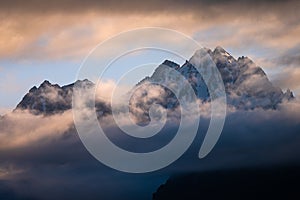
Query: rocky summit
{"x": 246, "y": 84}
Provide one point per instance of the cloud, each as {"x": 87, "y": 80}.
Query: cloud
{"x": 284, "y": 68}
{"x": 65, "y": 36}
{"x": 49, "y": 154}
{"x": 290, "y": 57}
{"x": 5, "y": 110}
{"x": 49, "y": 31}
{"x": 293, "y": 60}
{"x": 288, "y": 77}
{"x": 17, "y": 129}
{"x": 106, "y": 89}
{"x": 33, "y": 6}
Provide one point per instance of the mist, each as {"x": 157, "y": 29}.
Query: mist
{"x": 46, "y": 160}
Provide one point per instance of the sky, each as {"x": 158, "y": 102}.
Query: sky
{"x": 42, "y": 157}
{"x": 49, "y": 40}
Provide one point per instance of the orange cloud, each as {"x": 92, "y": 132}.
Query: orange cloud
{"x": 71, "y": 35}
{"x": 17, "y": 129}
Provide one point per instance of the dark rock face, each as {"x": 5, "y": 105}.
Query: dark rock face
{"x": 247, "y": 85}
{"x": 51, "y": 98}
{"x": 261, "y": 184}
{"x": 47, "y": 98}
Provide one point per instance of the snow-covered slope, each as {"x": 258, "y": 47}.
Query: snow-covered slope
{"x": 246, "y": 84}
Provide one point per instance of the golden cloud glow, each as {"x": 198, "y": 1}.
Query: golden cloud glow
{"x": 73, "y": 35}
{"x": 18, "y": 129}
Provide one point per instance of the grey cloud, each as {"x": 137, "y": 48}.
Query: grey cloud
{"x": 243, "y": 25}
{"x": 288, "y": 69}
{"x": 63, "y": 165}
{"x": 210, "y": 8}
{"x": 290, "y": 58}
{"x": 288, "y": 77}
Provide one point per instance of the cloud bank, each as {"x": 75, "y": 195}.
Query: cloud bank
{"x": 38, "y": 30}
{"x": 48, "y": 155}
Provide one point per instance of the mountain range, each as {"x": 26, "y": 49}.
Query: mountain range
{"x": 246, "y": 84}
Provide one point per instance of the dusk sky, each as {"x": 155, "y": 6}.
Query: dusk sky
{"x": 42, "y": 40}
{"x": 156, "y": 105}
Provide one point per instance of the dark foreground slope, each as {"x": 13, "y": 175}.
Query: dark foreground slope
{"x": 279, "y": 183}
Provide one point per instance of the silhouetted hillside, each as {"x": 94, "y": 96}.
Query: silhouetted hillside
{"x": 244, "y": 184}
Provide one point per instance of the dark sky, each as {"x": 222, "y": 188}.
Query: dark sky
{"x": 196, "y": 6}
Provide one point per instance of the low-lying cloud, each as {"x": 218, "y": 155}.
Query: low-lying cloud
{"x": 45, "y": 152}
{"x": 22, "y": 129}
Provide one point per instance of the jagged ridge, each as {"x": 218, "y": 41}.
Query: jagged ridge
{"x": 51, "y": 98}
{"x": 246, "y": 85}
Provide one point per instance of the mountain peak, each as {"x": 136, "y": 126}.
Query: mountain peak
{"x": 33, "y": 89}
{"x": 221, "y": 51}
{"x": 246, "y": 84}
{"x": 84, "y": 83}
{"x": 288, "y": 95}
{"x": 46, "y": 82}
{"x": 245, "y": 61}
{"x": 51, "y": 98}
{"x": 244, "y": 58}
{"x": 207, "y": 50}
{"x": 171, "y": 64}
